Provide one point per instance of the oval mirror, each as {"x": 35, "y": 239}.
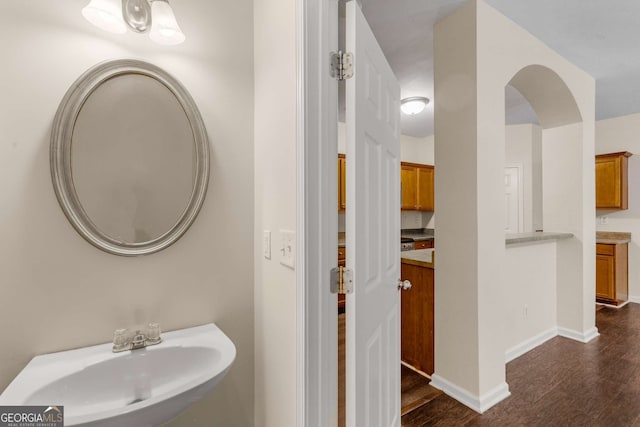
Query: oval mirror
{"x": 129, "y": 157}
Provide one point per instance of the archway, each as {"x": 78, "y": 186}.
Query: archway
{"x": 477, "y": 53}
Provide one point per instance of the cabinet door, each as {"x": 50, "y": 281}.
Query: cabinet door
{"x": 605, "y": 277}
{"x": 611, "y": 181}
{"x": 425, "y": 188}
{"x": 408, "y": 183}
{"x": 342, "y": 193}
{"x": 417, "y": 318}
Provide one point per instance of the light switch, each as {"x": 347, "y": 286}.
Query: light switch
{"x": 266, "y": 244}
{"x": 287, "y": 248}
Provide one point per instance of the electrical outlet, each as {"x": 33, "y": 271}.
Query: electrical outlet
{"x": 266, "y": 244}
{"x": 604, "y": 220}
{"x": 288, "y": 248}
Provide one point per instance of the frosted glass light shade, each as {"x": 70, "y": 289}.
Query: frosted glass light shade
{"x": 105, "y": 14}
{"x": 164, "y": 27}
{"x": 414, "y": 105}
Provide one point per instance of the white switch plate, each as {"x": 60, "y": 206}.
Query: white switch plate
{"x": 288, "y": 248}
{"x": 266, "y": 244}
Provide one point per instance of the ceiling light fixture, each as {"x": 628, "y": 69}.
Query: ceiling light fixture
{"x": 413, "y": 105}
{"x": 153, "y": 16}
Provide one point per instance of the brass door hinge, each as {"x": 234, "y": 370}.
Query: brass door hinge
{"x": 341, "y": 280}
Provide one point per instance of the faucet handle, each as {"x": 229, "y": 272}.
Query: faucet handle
{"x": 153, "y": 333}
{"x": 120, "y": 340}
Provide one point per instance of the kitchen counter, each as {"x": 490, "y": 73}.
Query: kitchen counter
{"x": 612, "y": 237}
{"x": 519, "y": 238}
{"x": 418, "y": 235}
{"x": 420, "y": 257}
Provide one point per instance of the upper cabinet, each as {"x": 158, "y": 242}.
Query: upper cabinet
{"x": 416, "y": 181}
{"x": 611, "y": 180}
{"x": 342, "y": 193}
{"x": 409, "y": 186}
{"x": 417, "y": 187}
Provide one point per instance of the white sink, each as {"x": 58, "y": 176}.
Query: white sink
{"x": 145, "y": 387}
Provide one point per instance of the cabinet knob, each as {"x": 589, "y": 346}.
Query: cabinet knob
{"x": 404, "y": 285}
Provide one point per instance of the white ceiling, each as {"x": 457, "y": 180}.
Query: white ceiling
{"x": 600, "y": 36}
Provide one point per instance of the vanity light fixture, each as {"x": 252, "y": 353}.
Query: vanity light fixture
{"x": 153, "y": 16}
{"x": 413, "y": 105}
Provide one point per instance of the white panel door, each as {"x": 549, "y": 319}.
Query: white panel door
{"x": 372, "y": 231}
{"x": 514, "y": 215}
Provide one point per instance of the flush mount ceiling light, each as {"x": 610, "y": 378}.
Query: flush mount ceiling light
{"x": 153, "y": 16}
{"x": 413, "y": 105}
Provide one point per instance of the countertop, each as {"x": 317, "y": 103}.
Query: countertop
{"x": 418, "y": 235}
{"x": 420, "y": 257}
{"x": 612, "y": 237}
{"x": 518, "y": 238}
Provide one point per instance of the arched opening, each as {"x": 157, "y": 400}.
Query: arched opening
{"x": 543, "y": 192}
{"x": 536, "y": 98}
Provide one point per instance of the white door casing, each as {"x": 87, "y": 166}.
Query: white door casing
{"x": 372, "y": 231}
{"x": 514, "y": 205}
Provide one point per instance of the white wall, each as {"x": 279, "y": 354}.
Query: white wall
{"x": 563, "y": 206}
{"x": 275, "y": 209}
{"x": 59, "y": 292}
{"x": 621, "y": 134}
{"x": 417, "y": 150}
{"x": 530, "y": 295}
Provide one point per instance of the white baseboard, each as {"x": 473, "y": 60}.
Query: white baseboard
{"x": 478, "y": 403}
{"x": 583, "y": 337}
{"x": 635, "y": 299}
{"x": 614, "y": 306}
{"x": 530, "y": 344}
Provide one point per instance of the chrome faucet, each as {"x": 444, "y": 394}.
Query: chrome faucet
{"x": 123, "y": 340}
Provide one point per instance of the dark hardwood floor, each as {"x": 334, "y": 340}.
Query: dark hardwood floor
{"x": 562, "y": 383}
{"x": 415, "y": 390}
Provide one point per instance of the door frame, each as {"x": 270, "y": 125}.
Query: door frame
{"x": 316, "y": 214}
{"x": 519, "y": 167}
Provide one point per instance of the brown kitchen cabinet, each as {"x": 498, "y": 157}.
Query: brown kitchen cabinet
{"x": 342, "y": 180}
{"x": 423, "y": 244}
{"x": 611, "y": 181}
{"x": 417, "y": 318}
{"x": 417, "y": 183}
{"x": 612, "y": 272}
{"x": 409, "y": 187}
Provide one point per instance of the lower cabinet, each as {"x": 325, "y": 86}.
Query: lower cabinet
{"x": 612, "y": 273}
{"x": 417, "y": 320}
{"x": 423, "y": 244}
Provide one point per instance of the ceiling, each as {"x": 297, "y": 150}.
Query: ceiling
{"x": 600, "y": 36}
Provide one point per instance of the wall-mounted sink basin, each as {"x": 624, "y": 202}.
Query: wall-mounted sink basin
{"x": 145, "y": 387}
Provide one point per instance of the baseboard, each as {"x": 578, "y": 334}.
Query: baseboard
{"x": 583, "y": 337}
{"x": 530, "y": 344}
{"x": 614, "y": 306}
{"x": 478, "y": 403}
{"x": 634, "y": 299}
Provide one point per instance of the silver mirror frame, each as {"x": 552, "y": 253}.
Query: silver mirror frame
{"x": 60, "y": 156}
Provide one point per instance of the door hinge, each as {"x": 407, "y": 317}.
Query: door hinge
{"x": 341, "y": 65}
{"x": 341, "y": 280}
